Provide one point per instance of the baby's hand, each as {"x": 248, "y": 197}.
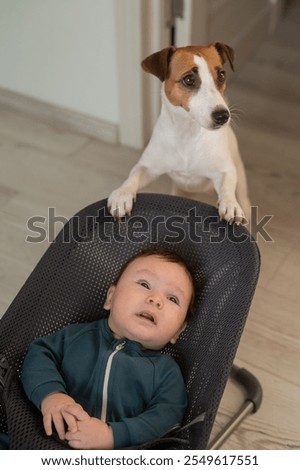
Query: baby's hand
{"x": 52, "y": 408}
{"x": 91, "y": 433}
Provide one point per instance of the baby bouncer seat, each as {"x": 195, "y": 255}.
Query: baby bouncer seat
{"x": 69, "y": 285}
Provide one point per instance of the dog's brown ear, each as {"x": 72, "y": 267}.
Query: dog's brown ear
{"x": 158, "y": 63}
{"x": 225, "y": 52}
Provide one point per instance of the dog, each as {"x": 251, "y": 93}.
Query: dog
{"x": 192, "y": 140}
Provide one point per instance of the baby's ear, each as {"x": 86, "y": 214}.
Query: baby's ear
{"x": 109, "y": 297}
{"x": 178, "y": 333}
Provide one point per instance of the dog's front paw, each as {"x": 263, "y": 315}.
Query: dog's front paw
{"x": 120, "y": 202}
{"x": 231, "y": 211}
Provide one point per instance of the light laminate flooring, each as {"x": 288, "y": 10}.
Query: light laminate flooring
{"x": 44, "y": 166}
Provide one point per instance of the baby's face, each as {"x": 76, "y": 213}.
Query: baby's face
{"x": 150, "y": 302}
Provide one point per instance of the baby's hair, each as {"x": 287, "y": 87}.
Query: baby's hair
{"x": 172, "y": 257}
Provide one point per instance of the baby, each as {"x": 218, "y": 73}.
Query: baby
{"x": 105, "y": 384}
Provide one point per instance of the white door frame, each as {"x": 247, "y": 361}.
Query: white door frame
{"x": 141, "y": 29}
{"x": 140, "y": 32}
{"x": 192, "y": 28}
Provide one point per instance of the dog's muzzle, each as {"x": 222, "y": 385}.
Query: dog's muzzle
{"x": 220, "y": 116}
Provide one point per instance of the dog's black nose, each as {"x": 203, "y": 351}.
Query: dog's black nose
{"x": 220, "y": 117}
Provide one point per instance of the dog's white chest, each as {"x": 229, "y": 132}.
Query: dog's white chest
{"x": 199, "y": 155}
{"x": 200, "y": 150}
{"x": 190, "y": 154}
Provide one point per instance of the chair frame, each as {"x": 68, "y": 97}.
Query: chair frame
{"x": 164, "y": 219}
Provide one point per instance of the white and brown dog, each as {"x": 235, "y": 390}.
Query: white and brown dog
{"x": 192, "y": 141}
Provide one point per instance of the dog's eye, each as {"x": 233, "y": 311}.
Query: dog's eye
{"x": 221, "y": 75}
{"x": 189, "y": 81}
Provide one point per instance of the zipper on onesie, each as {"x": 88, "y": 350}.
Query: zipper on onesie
{"x": 106, "y": 380}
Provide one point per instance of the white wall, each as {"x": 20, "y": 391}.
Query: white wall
{"x": 62, "y": 52}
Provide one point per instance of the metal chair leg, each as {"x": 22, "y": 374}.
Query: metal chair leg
{"x": 251, "y": 404}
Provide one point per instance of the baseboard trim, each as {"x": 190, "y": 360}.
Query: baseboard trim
{"x": 57, "y": 115}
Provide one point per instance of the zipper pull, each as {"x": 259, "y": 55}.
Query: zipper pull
{"x": 120, "y": 346}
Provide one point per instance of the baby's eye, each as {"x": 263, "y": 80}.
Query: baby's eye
{"x": 144, "y": 284}
{"x": 174, "y": 299}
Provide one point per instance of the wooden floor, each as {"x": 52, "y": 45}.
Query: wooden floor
{"x": 44, "y": 166}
